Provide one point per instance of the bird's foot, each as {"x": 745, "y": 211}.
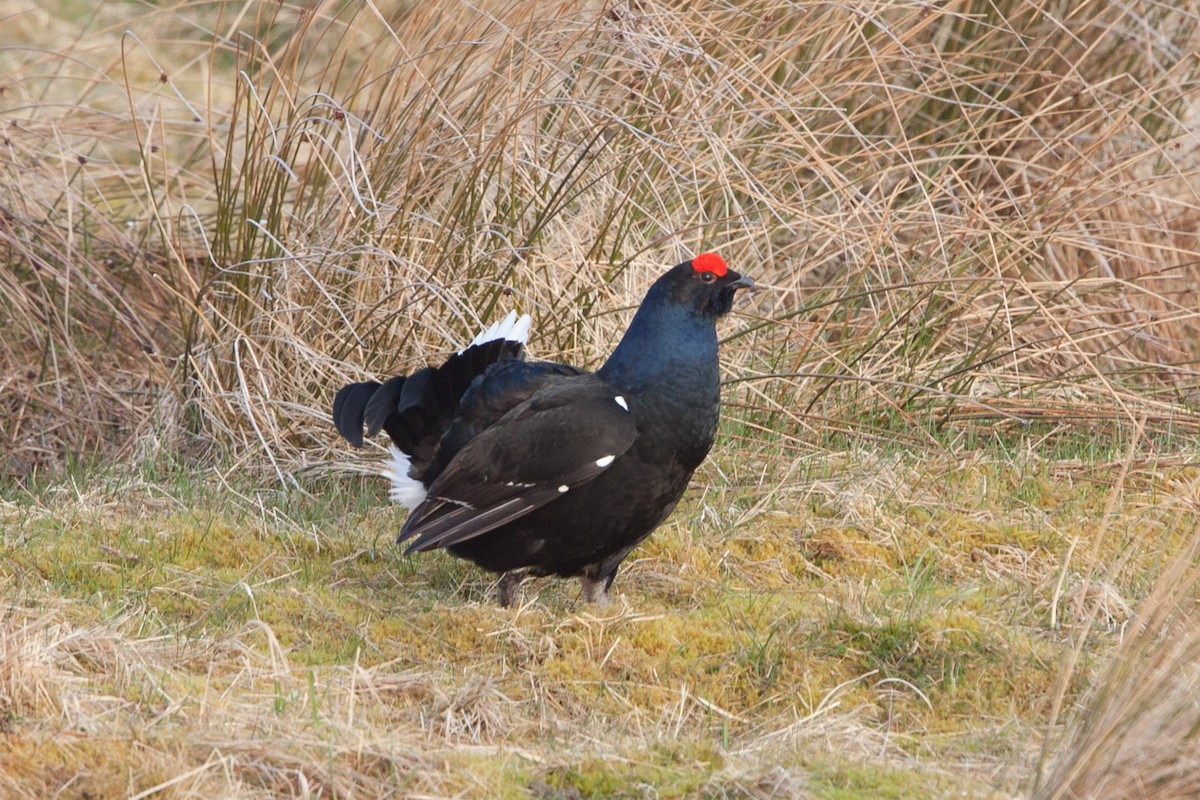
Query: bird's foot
{"x": 508, "y": 587}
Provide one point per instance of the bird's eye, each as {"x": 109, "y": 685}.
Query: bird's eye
{"x": 707, "y": 277}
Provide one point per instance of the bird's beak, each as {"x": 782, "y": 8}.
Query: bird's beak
{"x": 743, "y": 282}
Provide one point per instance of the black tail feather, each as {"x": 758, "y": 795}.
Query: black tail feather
{"x": 348, "y": 408}
{"x": 416, "y": 410}
{"x": 383, "y": 403}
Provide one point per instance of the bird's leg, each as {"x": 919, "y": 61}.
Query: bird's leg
{"x": 595, "y": 583}
{"x": 508, "y": 586}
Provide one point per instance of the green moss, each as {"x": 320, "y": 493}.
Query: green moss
{"x": 672, "y": 770}
{"x": 79, "y": 768}
{"x": 862, "y": 782}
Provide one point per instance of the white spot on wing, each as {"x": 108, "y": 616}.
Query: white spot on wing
{"x": 621, "y": 402}
{"x": 604, "y": 462}
{"x": 406, "y": 491}
{"x": 563, "y": 488}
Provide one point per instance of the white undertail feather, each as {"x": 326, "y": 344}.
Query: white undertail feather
{"x": 406, "y": 491}
{"x": 409, "y": 492}
{"x": 512, "y": 328}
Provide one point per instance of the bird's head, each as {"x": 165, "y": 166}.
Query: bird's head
{"x": 674, "y": 331}
{"x": 704, "y": 285}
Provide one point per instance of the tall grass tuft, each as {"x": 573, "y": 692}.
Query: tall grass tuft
{"x": 213, "y": 214}
{"x": 1134, "y": 734}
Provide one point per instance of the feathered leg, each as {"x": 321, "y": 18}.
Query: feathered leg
{"x": 508, "y": 587}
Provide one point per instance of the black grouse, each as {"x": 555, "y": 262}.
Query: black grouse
{"x": 539, "y": 468}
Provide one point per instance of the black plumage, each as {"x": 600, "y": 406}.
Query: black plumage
{"x": 544, "y": 469}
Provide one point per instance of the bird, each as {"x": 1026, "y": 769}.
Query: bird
{"x": 537, "y": 468}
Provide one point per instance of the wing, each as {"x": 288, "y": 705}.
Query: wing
{"x": 560, "y": 438}
{"x": 504, "y": 386}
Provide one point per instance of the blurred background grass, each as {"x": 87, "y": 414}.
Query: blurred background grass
{"x": 970, "y": 214}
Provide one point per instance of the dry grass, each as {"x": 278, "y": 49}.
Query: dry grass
{"x": 959, "y": 425}
{"x": 1134, "y": 734}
